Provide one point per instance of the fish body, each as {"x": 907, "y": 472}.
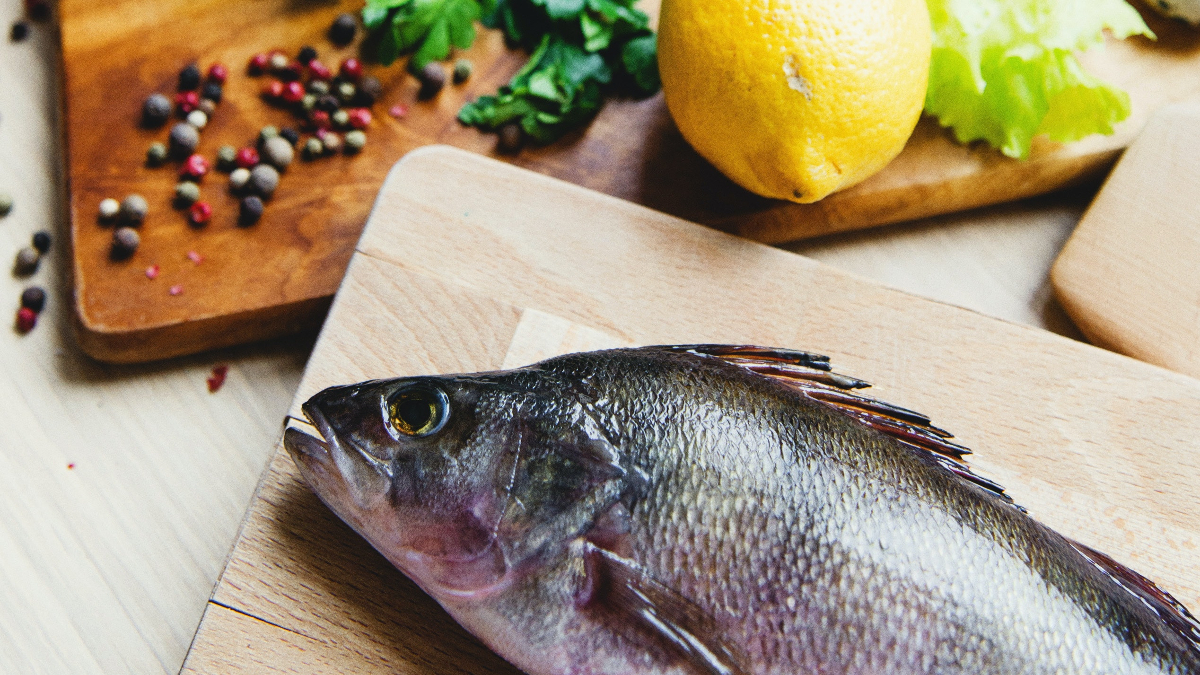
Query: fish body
{"x": 710, "y": 510}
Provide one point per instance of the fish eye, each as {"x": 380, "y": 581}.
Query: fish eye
{"x": 418, "y": 411}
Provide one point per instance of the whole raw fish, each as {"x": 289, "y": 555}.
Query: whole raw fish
{"x": 716, "y": 510}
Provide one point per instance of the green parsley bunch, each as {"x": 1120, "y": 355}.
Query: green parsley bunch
{"x": 581, "y": 52}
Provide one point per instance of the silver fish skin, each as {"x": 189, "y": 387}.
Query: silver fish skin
{"x": 713, "y": 510}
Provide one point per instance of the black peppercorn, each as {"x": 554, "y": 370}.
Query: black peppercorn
{"x": 343, "y": 29}
{"x": 20, "y": 31}
{"x": 41, "y": 241}
{"x": 33, "y": 298}
{"x": 189, "y": 77}
{"x": 369, "y": 91}
{"x": 125, "y": 242}
{"x": 291, "y": 135}
{"x": 156, "y": 110}
{"x": 328, "y": 103}
{"x": 252, "y": 209}
{"x": 433, "y": 78}
{"x": 38, "y": 10}
{"x": 307, "y": 54}
{"x": 511, "y": 138}
{"x": 212, "y": 91}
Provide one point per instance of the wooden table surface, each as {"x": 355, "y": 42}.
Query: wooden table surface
{"x": 106, "y": 567}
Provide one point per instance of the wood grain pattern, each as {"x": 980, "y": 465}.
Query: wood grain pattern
{"x": 1096, "y": 445}
{"x": 276, "y": 278}
{"x": 1130, "y": 274}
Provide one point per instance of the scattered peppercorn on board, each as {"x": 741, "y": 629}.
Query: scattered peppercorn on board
{"x": 452, "y": 276}
{"x": 277, "y": 276}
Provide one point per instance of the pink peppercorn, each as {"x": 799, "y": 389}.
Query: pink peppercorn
{"x": 200, "y": 213}
{"x": 194, "y": 167}
{"x": 274, "y": 89}
{"x": 218, "y": 73}
{"x": 360, "y": 118}
{"x": 319, "y": 71}
{"x": 177, "y": 289}
{"x": 187, "y": 101}
{"x": 293, "y": 92}
{"x": 152, "y": 272}
{"x": 195, "y": 257}
{"x": 352, "y": 68}
{"x": 398, "y": 111}
{"x": 26, "y": 319}
{"x": 319, "y": 119}
{"x": 259, "y": 62}
{"x": 247, "y": 158}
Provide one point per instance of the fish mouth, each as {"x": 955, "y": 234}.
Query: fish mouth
{"x": 305, "y": 447}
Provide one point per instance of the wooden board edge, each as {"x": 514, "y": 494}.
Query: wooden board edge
{"x": 189, "y": 337}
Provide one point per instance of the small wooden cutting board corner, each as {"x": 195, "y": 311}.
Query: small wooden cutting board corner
{"x": 458, "y": 276}
{"x": 1129, "y": 276}
{"x": 278, "y": 276}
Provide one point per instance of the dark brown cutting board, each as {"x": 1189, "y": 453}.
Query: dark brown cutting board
{"x": 278, "y": 277}
{"x": 458, "y": 279}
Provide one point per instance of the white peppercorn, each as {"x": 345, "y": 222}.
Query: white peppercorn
{"x": 238, "y": 179}
{"x": 197, "y": 118}
{"x": 462, "y": 70}
{"x": 332, "y": 143}
{"x": 109, "y": 208}
{"x": 184, "y": 139}
{"x": 278, "y": 152}
{"x": 133, "y": 209}
{"x": 263, "y": 180}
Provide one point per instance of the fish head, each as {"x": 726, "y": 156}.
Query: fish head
{"x": 463, "y": 482}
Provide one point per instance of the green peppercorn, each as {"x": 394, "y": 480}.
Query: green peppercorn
{"x": 346, "y": 92}
{"x": 355, "y": 141}
{"x": 156, "y": 154}
{"x": 340, "y": 118}
{"x": 332, "y": 142}
{"x": 226, "y": 157}
{"x": 6, "y": 203}
{"x": 318, "y": 88}
{"x": 267, "y": 132}
{"x": 308, "y": 102}
{"x": 186, "y": 193}
{"x": 462, "y": 70}
{"x": 313, "y": 148}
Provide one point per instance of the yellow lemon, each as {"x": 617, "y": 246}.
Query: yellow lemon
{"x": 795, "y": 99}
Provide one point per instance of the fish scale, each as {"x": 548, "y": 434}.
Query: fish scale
{"x": 714, "y": 510}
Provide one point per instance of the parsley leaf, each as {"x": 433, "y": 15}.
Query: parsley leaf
{"x": 581, "y": 52}
{"x": 426, "y": 28}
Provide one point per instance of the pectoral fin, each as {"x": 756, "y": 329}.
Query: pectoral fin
{"x": 681, "y": 627}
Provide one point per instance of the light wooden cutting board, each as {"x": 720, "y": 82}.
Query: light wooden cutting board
{"x": 278, "y": 276}
{"x": 503, "y": 267}
{"x": 1130, "y": 274}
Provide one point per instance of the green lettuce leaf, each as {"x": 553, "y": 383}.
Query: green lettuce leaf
{"x": 1005, "y": 71}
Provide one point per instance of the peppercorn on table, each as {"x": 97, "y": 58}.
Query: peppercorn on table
{"x": 122, "y": 488}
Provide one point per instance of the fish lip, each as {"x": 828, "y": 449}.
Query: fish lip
{"x": 306, "y": 447}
